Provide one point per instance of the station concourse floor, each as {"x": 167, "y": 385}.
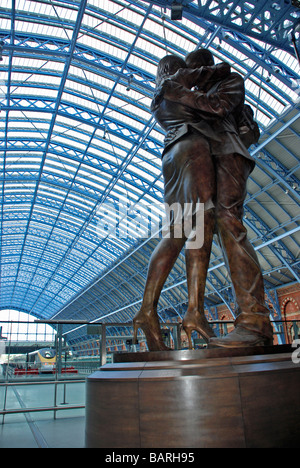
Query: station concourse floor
{"x": 64, "y": 432}
{"x": 41, "y": 429}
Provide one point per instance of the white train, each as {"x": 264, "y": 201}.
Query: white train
{"x": 44, "y": 360}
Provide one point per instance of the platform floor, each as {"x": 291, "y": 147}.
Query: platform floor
{"x": 67, "y": 432}
{"x": 41, "y": 430}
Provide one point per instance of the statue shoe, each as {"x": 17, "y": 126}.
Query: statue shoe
{"x": 151, "y": 328}
{"x": 241, "y": 337}
{"x": 194, "y": 321}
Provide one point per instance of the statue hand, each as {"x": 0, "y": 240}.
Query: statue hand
{"x": 172, "y": 91}
{"x": 180, "y": 76}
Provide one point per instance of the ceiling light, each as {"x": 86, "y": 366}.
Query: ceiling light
{"x": 176, "y": 11}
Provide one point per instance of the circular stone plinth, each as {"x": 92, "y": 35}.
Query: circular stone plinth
{"x": 195, "y": 400}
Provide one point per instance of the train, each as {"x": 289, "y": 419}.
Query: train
{"x": 44, "y": 360}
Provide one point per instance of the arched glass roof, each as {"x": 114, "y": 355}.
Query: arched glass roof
{"x": 80, "y": 151}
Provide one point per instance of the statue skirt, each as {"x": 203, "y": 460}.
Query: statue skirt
{"x": 189, "y": 174}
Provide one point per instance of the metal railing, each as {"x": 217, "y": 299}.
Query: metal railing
{"x": 23, "y": 409}
{"x": 286, "y": 331}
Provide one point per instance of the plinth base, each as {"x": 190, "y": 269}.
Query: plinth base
{"x": 196, "y": 399}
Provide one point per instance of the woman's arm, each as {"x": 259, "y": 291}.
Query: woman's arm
{"x": 221, "y": 102}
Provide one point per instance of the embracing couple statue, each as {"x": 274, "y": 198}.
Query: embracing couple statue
{"x": 201, "y": 107}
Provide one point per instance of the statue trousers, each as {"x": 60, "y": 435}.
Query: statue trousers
{"x": 232, "y": 172}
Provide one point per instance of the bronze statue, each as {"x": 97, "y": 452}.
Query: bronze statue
{"x": 200, "y": 106}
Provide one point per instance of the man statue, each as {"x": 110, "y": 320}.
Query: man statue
{"x": 201, "y": 106}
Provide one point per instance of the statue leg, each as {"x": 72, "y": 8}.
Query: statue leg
{"x": 197, "y": 262}
{"x": 161, "y": 264}
{"x": 200, "y": 180}
{"x": 252, "y": 325}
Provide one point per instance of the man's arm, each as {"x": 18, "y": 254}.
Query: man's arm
{"x": 228, "y": 96}
{"x": 185, "y": 77}
{"x": 201, "y": 76}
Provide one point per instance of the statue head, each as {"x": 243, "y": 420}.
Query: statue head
{"x": 168, "y": 66}
{"x": 199, "y": 58}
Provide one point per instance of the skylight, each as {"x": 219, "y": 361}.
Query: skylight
{"x": 76, "y": 129}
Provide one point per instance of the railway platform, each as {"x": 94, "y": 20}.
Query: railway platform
{"x": 44, "y": 432}
{"x": 39, "y": 425}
